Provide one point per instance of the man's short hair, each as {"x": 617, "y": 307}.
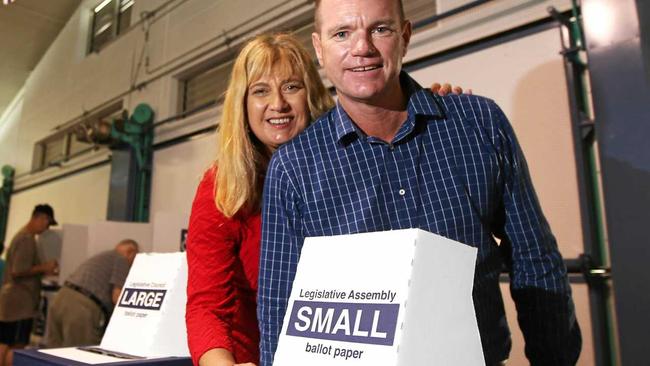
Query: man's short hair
{"x": 402, "y": 16}
{"x": 130, "y": 242}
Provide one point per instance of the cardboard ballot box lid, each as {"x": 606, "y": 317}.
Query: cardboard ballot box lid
{"x": 149, "y": 317}
{"x": 401, "y": 297}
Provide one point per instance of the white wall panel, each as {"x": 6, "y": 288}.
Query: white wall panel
{"x": 167, "y": 230}
{"x": 526, "y": 78}
{"x": 81, "y": 198}
{"x": 104, "y": 235}
{"x": 74, "y": 249}
{"x": 177, "y": 171}
{"x": 485, "y": 20}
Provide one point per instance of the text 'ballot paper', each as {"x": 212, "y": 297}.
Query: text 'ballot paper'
{"x": 149, "y": 317}
{"x": 401, "y": 297}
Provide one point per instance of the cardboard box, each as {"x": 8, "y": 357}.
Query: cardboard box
{"x": 400, "y": 297}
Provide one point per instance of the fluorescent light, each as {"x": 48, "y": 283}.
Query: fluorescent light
{"x": 126, "y": 5}
{"x": 102, "y": 5}
{"x": 102, "y": 29}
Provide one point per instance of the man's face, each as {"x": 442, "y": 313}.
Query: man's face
{"x": 131, "y": 252}
{"x": 127, "y": 251}
{"x": 41, "y": 222}
{"x": 360, "y": 44}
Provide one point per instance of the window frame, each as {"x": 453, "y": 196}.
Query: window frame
{"x": 118, "y": 9}
{"x": 217, "y": 94}
{"x": 67, "y": 134}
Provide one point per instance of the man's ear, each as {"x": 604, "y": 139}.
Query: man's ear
{"x": 406, "y": 35}
{"x": 318, "y": 47}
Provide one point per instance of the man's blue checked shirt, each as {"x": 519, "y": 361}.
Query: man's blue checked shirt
{"x": 454, "y": 169}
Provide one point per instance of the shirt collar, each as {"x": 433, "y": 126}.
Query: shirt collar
{"x": 421, "y": 103}
{"x": 343, "y": 122}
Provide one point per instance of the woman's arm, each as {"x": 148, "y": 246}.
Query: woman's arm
{"x": 210, "y": 294}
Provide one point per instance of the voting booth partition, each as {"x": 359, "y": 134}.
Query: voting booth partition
{"x": 400, "y": 297}
{"x": 81, "y": 242}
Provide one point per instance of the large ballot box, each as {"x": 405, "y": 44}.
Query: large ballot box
{"x": 149, "y": 317}
{"x": 148, "y": 322}
{"x": 400, "y": 297}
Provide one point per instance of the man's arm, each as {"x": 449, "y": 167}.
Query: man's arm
{"x": 115, "y": 295}
{"x": 47, "y": 268}
{"x": 119, "y": 271}
{"x": 25, "y": 262}
{"x": 282, "y": 238}
{"x": 539, "y": 283}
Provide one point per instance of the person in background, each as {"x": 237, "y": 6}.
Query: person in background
{"x": 274, "y": 92}
{"x": 392, "y": 155}
{"x": 21, "y": 286}
{"x": 82, "y": 307}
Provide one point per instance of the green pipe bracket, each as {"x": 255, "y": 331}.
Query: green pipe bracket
{"x": 137, "y": 132}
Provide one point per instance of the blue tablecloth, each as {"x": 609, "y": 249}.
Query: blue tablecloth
{"x": 32, "y": 357}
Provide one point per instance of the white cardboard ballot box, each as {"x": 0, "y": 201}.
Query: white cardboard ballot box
{"x": 400, "y": 297}
{"x": 149, "y": 317}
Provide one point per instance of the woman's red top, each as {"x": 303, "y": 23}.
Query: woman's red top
{"x": 223, "y": 260}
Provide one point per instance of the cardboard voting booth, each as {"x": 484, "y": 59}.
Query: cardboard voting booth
{"x": 81, "y": 242}
{"x": 400, "y": 297}
{"x": 149, "y": 317}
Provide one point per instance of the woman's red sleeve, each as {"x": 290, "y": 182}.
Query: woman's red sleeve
{"x": 210, "y": 257}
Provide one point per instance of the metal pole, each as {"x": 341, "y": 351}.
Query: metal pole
{"x": 595, "y": 261}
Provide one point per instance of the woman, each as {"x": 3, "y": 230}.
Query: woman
{"x": 274, "y": 92}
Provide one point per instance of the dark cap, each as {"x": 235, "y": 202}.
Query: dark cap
{"x": 45, "y": 209}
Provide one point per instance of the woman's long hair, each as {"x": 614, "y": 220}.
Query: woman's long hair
{"x": 241, "y": 158}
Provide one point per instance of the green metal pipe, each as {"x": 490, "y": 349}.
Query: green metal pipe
{"x": 138, "y": 134}
{"x": 601, "y": 257}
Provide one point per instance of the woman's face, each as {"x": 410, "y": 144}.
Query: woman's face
{"x": 277, "y": 109}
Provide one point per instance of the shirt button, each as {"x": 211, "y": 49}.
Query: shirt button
{"x": 402, "y": 192}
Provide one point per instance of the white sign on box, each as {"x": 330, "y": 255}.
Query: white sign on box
{"x": 149, "y": 318}
{"x": 400, "y": 297}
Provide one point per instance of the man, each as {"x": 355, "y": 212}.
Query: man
{"x": 21, "y": 286}
{"x": 393, "y": 156}
{"x": 81, "y": 309}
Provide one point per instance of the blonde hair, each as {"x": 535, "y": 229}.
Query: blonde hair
{"x": 241, "y": 158}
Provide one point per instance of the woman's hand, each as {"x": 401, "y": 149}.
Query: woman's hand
{"x": 220, "y": 357}
{"x": 446, "y": 88}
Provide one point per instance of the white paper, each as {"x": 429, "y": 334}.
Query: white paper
{"x": 75, "y": 354}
